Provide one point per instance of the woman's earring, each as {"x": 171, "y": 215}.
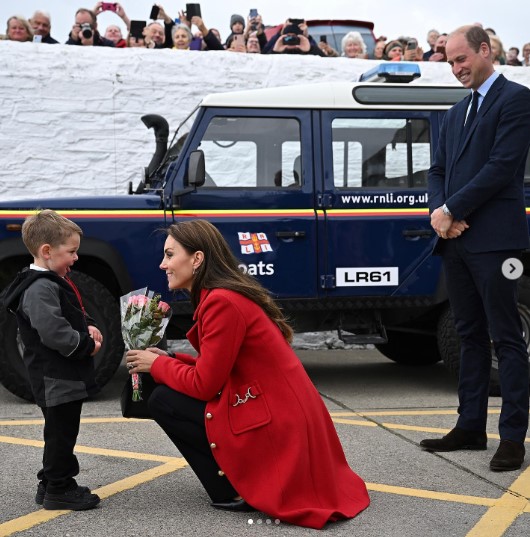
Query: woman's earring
{"x": 194, "y": 271}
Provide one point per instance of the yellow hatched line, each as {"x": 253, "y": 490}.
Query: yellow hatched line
{"x": 93, "y": 450}
{"x": 506, "y": 509}
{"x": 431, "y": 495}
{"x": 407, "y": 413}
{"x": 39, "y": 517}
{"x": 83, "y": 420}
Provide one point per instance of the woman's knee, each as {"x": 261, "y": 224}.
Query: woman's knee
{"x": 159, "y": 400}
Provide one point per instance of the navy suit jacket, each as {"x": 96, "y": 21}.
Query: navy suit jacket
{"x": 481, "y": 178}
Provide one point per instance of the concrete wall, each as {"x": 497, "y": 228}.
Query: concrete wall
{"x": 70, "y": 116}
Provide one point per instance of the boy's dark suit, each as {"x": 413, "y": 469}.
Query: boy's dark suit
{"x": 480, "y": 178}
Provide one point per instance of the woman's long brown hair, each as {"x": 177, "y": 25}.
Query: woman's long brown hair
{"x": 220, "y": 269}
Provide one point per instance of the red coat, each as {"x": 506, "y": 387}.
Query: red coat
{"x": 278, "y": 446}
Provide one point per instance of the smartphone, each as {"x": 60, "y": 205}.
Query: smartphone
{"x": 291, "y": 40}
{"x": 137, "y": 29}
{"x": 441, "y": 50}
{"x": 155, "y": 10}
{"x": 193, "y": 10}
{"x": 108, "y": 6}
{"x": 253, "y": 13}
{"x": 37, "y": 38}
{"x": 324, "y": 38}
{"x": 412, "y": 44}
{"x": 296, "y": 22}
{"x": 239, "y": 39}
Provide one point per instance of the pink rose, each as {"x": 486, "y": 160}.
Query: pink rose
{"x": 142, "y": 301}
{"x": 164, "y": 307}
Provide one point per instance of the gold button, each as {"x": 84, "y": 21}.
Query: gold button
{"x": 213, "y": 445}
{"x": 209, "y": 416}
{"x": 221, "y": 473}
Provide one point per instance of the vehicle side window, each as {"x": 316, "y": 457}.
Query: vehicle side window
{"x": 252, "y": 152}
{"x": 380, "y": 152}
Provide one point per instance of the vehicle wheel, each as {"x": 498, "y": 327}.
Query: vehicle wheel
{"x": 449, "y": 342}
{"x": 100, "y": 305}
{"x": 410, "y": 349}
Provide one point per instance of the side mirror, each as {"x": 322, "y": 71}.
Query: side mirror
{"x": 196, "y": 169}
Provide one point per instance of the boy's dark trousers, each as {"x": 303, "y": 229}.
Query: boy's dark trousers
{"x": 59, "y": 464}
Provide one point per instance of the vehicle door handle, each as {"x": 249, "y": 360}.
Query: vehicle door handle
{"x": 419, "y": 233}
{"x": 290, "y": 234}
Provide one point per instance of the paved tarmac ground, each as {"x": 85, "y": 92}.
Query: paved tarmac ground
{"x": 381, "y": 411}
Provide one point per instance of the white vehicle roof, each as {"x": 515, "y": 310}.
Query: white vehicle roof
{"x": 332, "y": 95}
{"x": 397, "y": 93}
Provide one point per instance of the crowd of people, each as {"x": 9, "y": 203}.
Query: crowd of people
{"x": 189, "y": 31}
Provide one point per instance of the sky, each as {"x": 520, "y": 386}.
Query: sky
{"x": 412, "y": 18}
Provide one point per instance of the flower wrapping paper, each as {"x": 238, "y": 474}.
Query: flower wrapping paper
{"x": 144, "y": 319}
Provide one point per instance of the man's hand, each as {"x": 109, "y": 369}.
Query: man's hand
{"x": 441, "y": 223}
{"x": 197, "y": 21}
{"x": 163, "y": 15}
{"x": 457, "y": 228}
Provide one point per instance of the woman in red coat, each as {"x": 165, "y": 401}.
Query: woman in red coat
{"x": 244, "y": 413}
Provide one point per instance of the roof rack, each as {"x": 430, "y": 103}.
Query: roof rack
{"x": 401, "y": 73}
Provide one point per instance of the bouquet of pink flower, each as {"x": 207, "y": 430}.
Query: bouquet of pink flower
{"x": 144, "y": 319}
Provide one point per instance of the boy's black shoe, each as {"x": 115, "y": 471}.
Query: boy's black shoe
{"x": 41, "y": 491}
{"x": 77, "y": 499}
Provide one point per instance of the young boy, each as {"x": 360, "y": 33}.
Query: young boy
{"x": 59, "y": 345}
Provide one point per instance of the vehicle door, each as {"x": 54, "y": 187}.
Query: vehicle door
{"x": 377, "y": 226}
{"x": 258, "y": 192}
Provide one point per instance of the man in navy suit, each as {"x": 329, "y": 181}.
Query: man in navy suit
{"x": 477, "y": 206}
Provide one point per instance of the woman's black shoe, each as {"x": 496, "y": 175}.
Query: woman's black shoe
{"x": 233, "y": 505}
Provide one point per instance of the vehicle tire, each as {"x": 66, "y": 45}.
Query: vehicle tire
{"x": 449, "y": 342}
{"x": 410, "y": 348}
{"x": 100, "y": 304}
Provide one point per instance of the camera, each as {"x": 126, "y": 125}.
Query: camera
{"x": 412, "y": 44}
{"x": 291, "y": 40}
{"x": 86, "y": 30}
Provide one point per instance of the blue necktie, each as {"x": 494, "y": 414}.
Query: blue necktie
{"x": 472, "y": 114}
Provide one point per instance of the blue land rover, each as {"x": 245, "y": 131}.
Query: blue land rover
{"x": 320, "y": 191}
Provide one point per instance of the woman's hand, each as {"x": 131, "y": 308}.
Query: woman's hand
{"x": 141, "y": 361}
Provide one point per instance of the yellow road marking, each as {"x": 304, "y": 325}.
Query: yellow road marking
{"x": 355, "y": 422}
{"x": 503, "y": 514}
{"x": 83, "y": 420}
{"x": 39, "y": 517}
{"x": 406, "y": 413}
{"x": 432, "y": 495}
{"x": 402, "y": 427}
{"x": 93, "y": 450}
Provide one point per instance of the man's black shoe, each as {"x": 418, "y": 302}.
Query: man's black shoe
{"x": 509, "y": 456}
{"x": 77, "y": 499}
{"x": 456, "y": 439}
{"x": 41, "y": 491}
{"x": 233, "y": 505}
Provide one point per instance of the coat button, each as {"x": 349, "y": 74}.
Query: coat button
{"x": 209, "y": 416}
{"x": 221, "y": 473}
{"x": 213, "y": 445}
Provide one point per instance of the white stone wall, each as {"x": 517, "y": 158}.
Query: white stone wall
{"x": 70, "y": 116}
